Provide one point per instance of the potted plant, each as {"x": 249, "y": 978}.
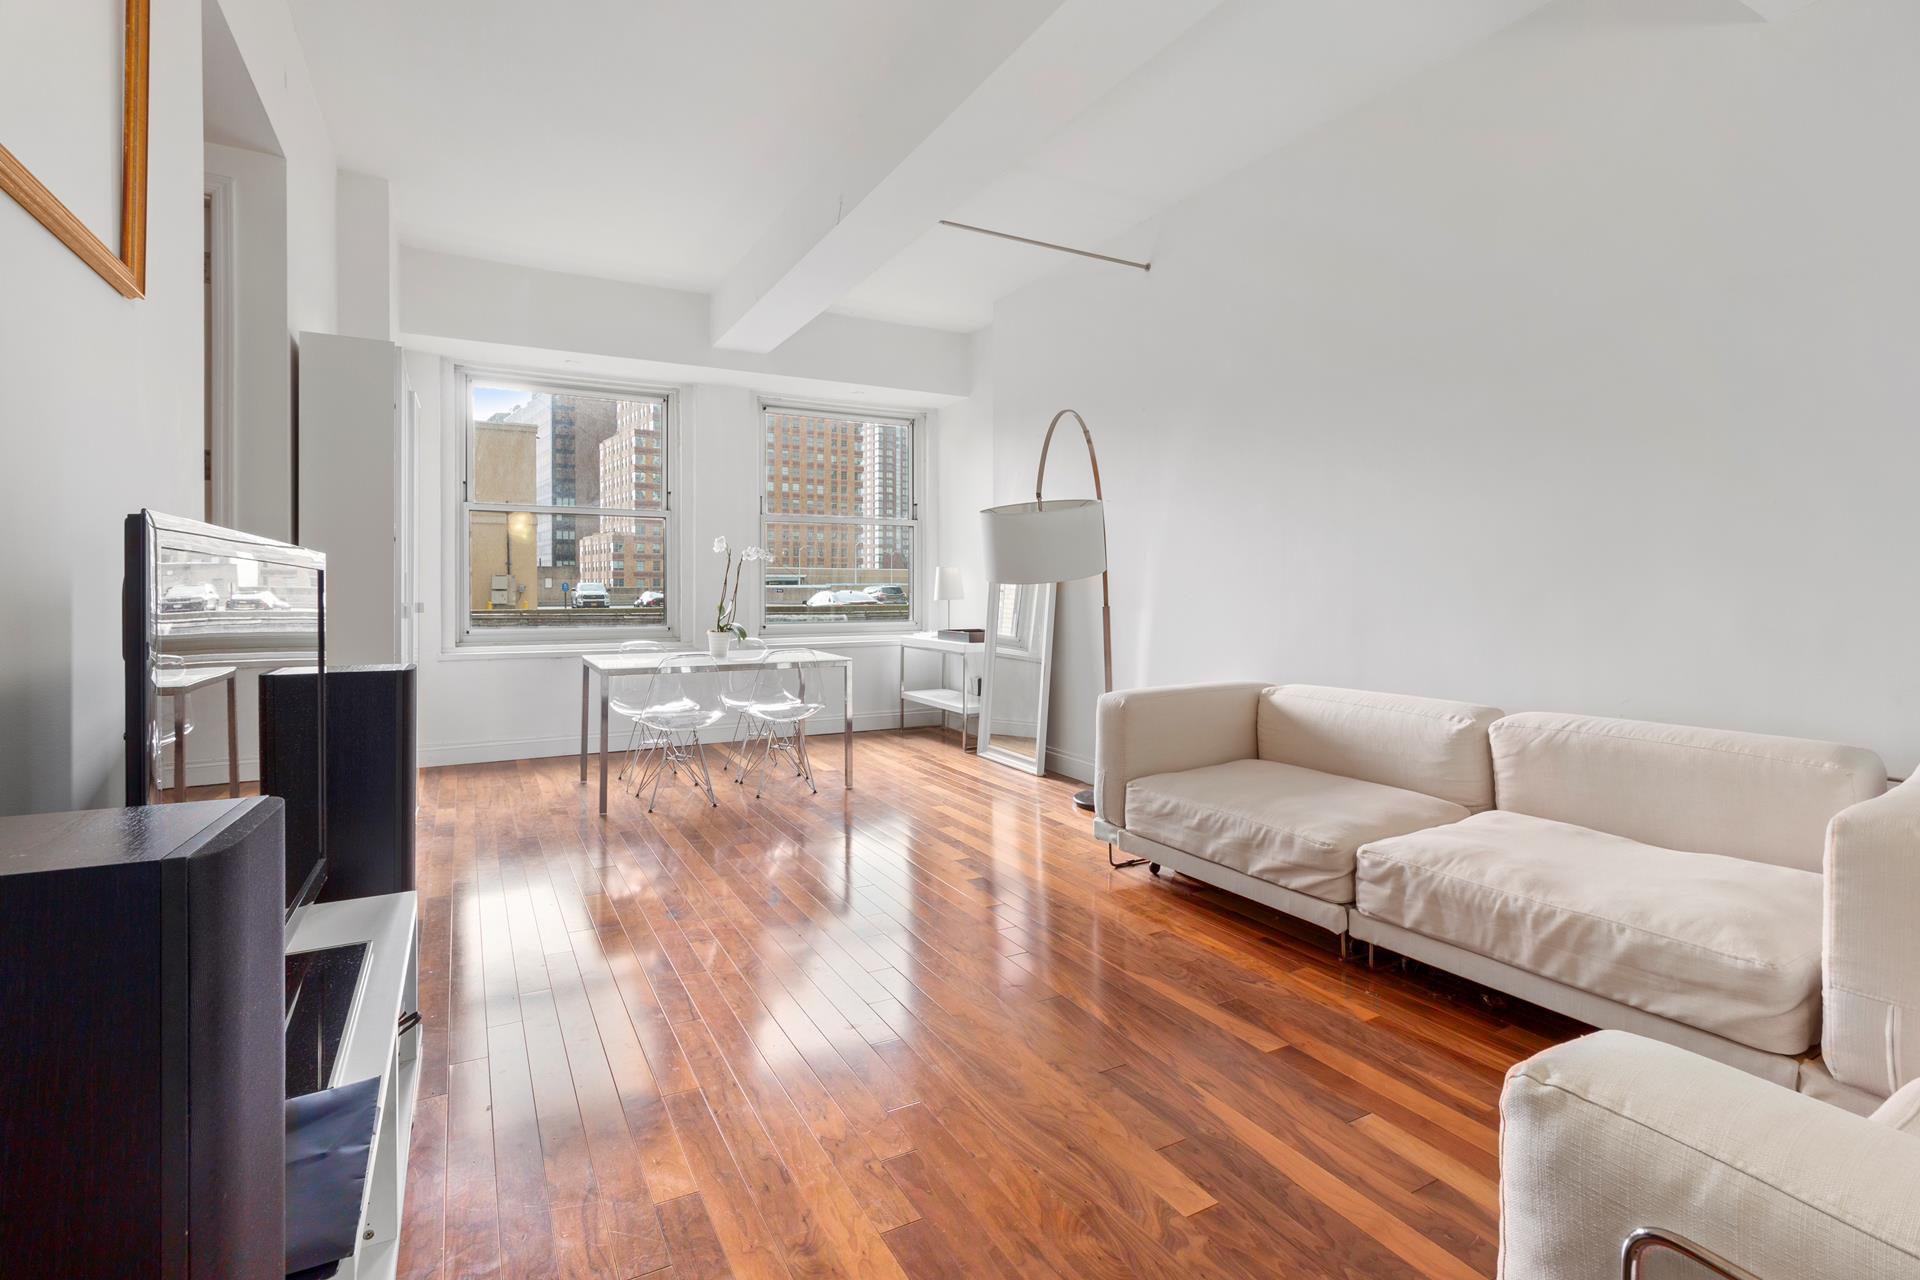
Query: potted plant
{"x": 725, "y": 630}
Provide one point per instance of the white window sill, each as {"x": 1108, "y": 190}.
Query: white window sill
{"x": 487, "y": 651}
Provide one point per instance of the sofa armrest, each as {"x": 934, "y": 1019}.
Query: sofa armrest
{"x": 1870, "y": 999}
{"x": 1613, "y": 1133}
{"x": 1140, "y": 732}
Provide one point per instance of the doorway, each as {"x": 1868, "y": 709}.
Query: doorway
{"x": 216, "y": 463}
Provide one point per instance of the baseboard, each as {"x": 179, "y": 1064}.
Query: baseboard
{"x": 210, "y": 773}
{"x": 1068, "y": 765}
{"x": 494, "y": 750}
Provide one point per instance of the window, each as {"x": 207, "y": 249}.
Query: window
{"x": 565, "y": 502}
{"x": 838, "y": 517}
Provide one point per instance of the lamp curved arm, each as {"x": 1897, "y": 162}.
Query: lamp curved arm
{"x": 1039, "y": 482}
{"x": 1086, "y": 433}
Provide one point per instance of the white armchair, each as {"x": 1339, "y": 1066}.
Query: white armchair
{"x": 1614, "y": 1134}
{"x": 1870, "y": 1037}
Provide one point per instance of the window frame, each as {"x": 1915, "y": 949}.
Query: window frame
{"x": 916, "y": 423}
{"x": 539, "y": 636}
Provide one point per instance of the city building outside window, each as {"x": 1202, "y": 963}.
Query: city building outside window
{"x": 565, "y": 509}
{"x": 839, "y": 518}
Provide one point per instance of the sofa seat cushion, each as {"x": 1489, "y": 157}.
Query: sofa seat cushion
{"x": 1294, "y": 827}
{"x": 1722, "y": 944}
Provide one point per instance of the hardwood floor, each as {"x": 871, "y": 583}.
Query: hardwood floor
{"x": 915, "y": 1030}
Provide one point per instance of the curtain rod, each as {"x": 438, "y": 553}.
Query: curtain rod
{"x": 1047, "y": 244}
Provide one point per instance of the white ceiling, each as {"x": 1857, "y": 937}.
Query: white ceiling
{"x": 660, "y": 141}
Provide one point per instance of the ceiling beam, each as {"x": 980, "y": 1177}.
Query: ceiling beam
{"x": 922, "y": 161}
{"x": 1774, "y": 10}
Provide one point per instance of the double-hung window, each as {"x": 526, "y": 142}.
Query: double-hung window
{"x": 565, "y": 509}
{"x": 839, "y": 517}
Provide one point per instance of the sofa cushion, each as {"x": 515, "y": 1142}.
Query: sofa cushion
{"x": 1747, "y": 795}
{"x": 1289, "y": 826}
{"x": 1723, "y": 944}
{"x": 1902, "y": 1110}
{"x": 1419, "y": 744}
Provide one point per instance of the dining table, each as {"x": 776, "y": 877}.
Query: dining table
{"x": 610, "y": 666}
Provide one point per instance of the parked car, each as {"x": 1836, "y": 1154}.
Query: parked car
{"x": 650, "y": 600}
{"x": 827, "y": 599}
{"x": 591, "y": 595}
{"x": 189, "y": 597}
{"x": 255, "y": 598}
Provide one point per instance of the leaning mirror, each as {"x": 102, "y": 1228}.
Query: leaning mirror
{"x": 1013, "y": 712}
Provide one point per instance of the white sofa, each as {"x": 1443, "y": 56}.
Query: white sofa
{"x": 1744, "y": 896}
{"x": 1613, "y": 1134}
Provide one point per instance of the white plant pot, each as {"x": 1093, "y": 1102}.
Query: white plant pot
{"x": 719, "y": 643}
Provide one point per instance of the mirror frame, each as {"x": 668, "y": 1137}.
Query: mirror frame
{"x": 1048, "y": 595}
{"x": 126, "y": 268}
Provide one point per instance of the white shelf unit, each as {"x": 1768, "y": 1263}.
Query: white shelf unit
{"x": 951, "y": 701}
{"x": 389, "y": 986}
{"x": 948, "y": 701}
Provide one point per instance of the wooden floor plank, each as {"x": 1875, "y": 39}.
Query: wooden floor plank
{"x": 916, "y": 1029}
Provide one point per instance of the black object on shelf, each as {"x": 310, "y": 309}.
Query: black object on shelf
{"x": 329, "y": 1146}
{"x": 321, "y": 986}
{"x": 967, "y": 635}
{"x": 141, "y": 1110}
{"x": 369, "y": 777}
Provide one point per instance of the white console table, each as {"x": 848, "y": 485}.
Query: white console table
{"x": 962, "y": 701}
{"x": 373, "y": 1046}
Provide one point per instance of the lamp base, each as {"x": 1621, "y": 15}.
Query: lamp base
{"x": 1084, "y": 798}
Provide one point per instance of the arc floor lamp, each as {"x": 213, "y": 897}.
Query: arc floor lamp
{"x": 1055, "y": 541}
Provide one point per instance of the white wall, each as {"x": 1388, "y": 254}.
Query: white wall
{"x": 367, "y": 254}
{"x": 963, "y": 478}
{"x": 264, "y": 34}
{"x": 1578, "y": 374}
{"x": 260, "y": 447}
{"x": 100, "y": 414}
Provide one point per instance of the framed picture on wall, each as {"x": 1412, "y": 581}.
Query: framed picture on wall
{"x": 73, "y": 128}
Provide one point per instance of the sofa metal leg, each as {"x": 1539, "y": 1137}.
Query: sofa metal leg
{"x": 1373, "y": 956}
{"x": 1648, "y": 1239}
{"x": 1122, "y": 866}
{"x": 1346, "y": 946}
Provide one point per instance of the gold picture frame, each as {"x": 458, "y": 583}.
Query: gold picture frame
{"x": 125, "y": 269}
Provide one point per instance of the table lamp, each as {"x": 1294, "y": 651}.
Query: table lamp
{"x": 1057, "y": 541}
{"x": 949, "y": 586}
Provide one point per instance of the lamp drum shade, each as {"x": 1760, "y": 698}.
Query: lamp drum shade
{"x": 1056, "y": 540}
{"x": 949, "y": 585}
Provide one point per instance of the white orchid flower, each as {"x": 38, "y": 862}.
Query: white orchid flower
{"x": 755, "y": 553}
{"x": 720, "y": 545}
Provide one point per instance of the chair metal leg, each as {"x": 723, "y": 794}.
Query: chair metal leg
{"x": 666, "y": 754}
{"x": 806, "y": 761}
{"x": 706, "y": 778}
{"x": 760, "y": 765}
{"x": 744, "y": 756}
{"x": 648, "y": 766}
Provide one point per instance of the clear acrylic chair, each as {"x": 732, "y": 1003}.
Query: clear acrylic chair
{"x": 737, "y": 691}
{"x": 778, "y": 716}
{"x": 626, "y": 697}
{"x": 672, "y": 712}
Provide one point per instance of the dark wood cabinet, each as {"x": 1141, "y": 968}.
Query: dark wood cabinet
{"x": 142, "y": 990}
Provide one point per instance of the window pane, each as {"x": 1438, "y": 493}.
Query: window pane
{"x": 821, "y": 465}
{"x": 547, "y": 570}
{"x": 555, "y": 449}
{"x": 838, "y": 573}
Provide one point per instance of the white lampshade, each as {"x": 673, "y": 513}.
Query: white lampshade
{"x": 1058, "y": 540}
{"x": 948, "y": 584}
